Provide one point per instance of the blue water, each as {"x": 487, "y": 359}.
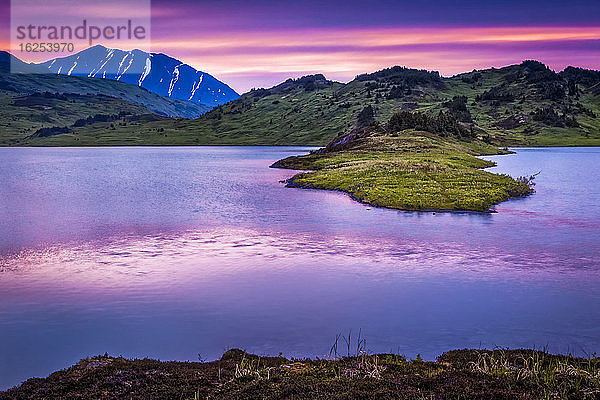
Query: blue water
{"x": 174, "y": 252}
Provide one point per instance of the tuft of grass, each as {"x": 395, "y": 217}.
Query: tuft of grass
{"x": 559, "y": 376}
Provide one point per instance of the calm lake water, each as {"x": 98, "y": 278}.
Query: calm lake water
{"x": 173, "y": 252}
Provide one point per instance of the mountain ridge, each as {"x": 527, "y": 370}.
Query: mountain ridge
{"x": 521, "y": 104}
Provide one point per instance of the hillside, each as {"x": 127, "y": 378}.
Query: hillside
{"x": 155, "y": 72}
{"x": 40, "y": 116}
{"x": 518, "y": 105}
{"x": 525, "y": 104}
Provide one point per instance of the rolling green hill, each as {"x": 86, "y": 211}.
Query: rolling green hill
{"x": 525, "y": 104}
{"x": 40, "y": 116}
{"x": 520, "y": 104}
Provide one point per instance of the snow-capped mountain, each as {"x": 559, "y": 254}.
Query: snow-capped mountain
{"x": 155, "y": 72}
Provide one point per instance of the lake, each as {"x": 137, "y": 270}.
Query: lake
{"x": 177, "y": 253}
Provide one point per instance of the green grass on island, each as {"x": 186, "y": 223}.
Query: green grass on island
{"x": 408, "y": 169}
{"x": 458, "y": 374}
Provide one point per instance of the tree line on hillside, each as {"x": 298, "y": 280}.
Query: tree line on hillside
{"x": 443, "y": 124}
{"x": 403, "y": 76}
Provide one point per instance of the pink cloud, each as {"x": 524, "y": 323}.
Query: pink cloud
{"x": 263, "y": 58}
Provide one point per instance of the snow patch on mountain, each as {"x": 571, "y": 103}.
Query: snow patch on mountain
{"x": 73, "y": 67}
{"x": 174, "y": 79}
{"x": 195, "y": 87}
{"x": 120, "y": 74}
{"x": 147, "y": 69}
{"x": 106, "y": 60}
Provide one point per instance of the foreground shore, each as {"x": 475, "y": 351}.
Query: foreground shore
{"x": 458, "y": 374}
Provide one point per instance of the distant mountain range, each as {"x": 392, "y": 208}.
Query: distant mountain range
{"x": 155, "y": 72}
{"x": 523, "y": 104}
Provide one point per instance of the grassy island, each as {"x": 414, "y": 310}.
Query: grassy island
{"x": 459, "y": 374}
{"x": 399, "y": 165}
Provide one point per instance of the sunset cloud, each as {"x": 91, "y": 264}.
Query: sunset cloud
{"x": 341, "y": 54}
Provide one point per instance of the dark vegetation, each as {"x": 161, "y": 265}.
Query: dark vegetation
{"x": 457, "y": 107}
{"x": 459, "y": 374}
{"x": 497, "y": 94}
{"x": 550, "y": 117}
{"x": 399, "y": 82}
{"x": 45, "y": 132}
{"x": 403, "y": 76}
{"x": 580, "y": 76}
{"x": 122, "y": 118}
{"x": 101, "y": 118}
{"x": 443, "y": 124}
{"x": 308, "y": 83}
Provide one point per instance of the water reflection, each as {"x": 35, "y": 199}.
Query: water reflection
{"x": 205, "y": 249}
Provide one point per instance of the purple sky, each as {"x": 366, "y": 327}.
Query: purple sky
{"x": 262, "y": 42}
{"x": 259, "y": 43}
